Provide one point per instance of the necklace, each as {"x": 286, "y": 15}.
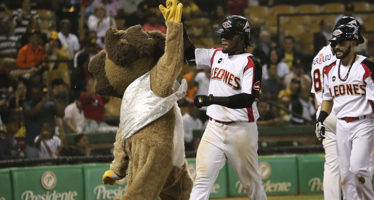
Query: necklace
{"x": 346, "y": 75}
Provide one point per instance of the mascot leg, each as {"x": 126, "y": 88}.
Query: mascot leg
{"x": 149, "y": 166}
{"x": 178, "y": 185}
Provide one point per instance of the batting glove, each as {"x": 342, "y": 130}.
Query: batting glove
{"x": 320, "y": 131}
{"x": 203, "y": 100}
{"x": 110, "y": 177}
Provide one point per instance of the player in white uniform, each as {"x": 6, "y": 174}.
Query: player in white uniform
{"x": 231, "y": 132}
{"x": 349, "y": 86}
{"x": 331, "y": 178}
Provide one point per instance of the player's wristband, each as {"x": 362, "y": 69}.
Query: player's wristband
{"x": 322, "y": 116}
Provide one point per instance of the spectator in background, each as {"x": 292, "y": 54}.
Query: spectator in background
{"x": 47, "y": 143}
{"x": 265, "y": 44}
{"x": 8, "y": 41}
{"x": 302, "y": 107}
{"x": 202, "y": 80}
{"x": 74, "y": 116}
{"x": 32, "y": 54}
{"x": 321, "y": 38}
{"x": 152, "y": 23}
{"x": 288, "y": 52}
{"x": 129, "y": 6}
{"x": 67, "y": 38}
{"x": 298, "y": 71}
{"x": 80, "y": 147}
{"x": 268, "y": 115}
{"x": 67, "y": 10}
{"x": 272, "y": 85}
{"x": 138, "y": 17}
{"x": 33, "y": 26}
{"x": 79, "y": 73}
{"x": 191, "y": 122}
{"x": 236, "y": 7}
{"x": 100, "y": 22}
{"x": 19, "y": 96}
{"x": 40, "y": 107}
{"x": 22, "y": 17}
{"x": 93, "y": 107}
{"x": 286, "y": 95}
{"x": 111, "y": 7}
{"x": 274, "y": 59}
{"x": 8, "y": 146}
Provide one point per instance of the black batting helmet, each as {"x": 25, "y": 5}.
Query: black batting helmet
{"x": 235, "y": 25}
{"x": 347, "y": 28}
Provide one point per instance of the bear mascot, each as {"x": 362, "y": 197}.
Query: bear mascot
{"x": 141, "y": 68}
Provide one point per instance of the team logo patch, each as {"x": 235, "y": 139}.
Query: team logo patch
{"x": 337, "y": 32}
{"x": 257, "y": 86}
{"x": 226, "y": 24}
{"x": 333, "y": 78}
{"x": 49, "y": 180}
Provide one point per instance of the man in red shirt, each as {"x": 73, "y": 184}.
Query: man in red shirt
{"x": 32, "y": 53}
{"x": 92, "y": 104}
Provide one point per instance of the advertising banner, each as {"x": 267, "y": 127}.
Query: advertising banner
{"x": 48, "y": 183}
{"x": 6, "y": 185}
{"x": 278, "y": 173}
{"x": 311, "y": 173}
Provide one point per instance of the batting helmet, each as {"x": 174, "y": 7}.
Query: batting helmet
{"x": 347, "y": 28}
{"x": 235, "y": 25}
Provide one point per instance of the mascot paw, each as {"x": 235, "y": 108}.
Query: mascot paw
{"x": 172, "y": 12}
{"x": 110, "y": 177}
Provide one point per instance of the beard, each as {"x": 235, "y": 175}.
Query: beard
{"x": 345, "y": 53}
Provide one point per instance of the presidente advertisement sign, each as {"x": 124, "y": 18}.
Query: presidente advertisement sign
{"x": 94, "y": 187}
{"x": 48, "y": 183}
{"x": 6, "y": 186}
{"x": 278, "y": 173}
{"x": 311, "y": 173}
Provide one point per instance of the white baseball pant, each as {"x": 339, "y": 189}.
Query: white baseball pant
{"x": 331, "y": 175}
{"x": 236, "y": 142}
{"x": 355, "y": 142}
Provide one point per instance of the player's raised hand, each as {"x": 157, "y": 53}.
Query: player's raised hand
{"x": 320, "y": 131}
{"x": 203, "y": 100}
{"x": 173, "y": 11}
{"x": 110, "y": 177}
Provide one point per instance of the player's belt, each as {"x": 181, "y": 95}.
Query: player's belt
{"x": 352, "y": 119}
{"x": 221, "y": 122}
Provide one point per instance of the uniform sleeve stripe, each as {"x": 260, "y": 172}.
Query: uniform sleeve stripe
{"x": 369, "y": 68}
{"x": 327, "y": 69}
{"x": 214, "y": 53}
{"x": 249, "y": 64}
{"x": 367, "y": 71}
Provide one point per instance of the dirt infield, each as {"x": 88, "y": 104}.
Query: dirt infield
{"x": 310, "y": 197}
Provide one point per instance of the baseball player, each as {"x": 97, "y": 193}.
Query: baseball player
{"x": 231, "y": 132}
{"x": 348, "y": 84}
{"x": 331, "y": 178}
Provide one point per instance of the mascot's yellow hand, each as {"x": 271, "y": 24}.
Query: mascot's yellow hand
{"x": 110, "y": 177}
{"x": 172, "y": 12}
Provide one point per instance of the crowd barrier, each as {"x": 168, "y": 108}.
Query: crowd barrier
{"x": 281, "y": 175}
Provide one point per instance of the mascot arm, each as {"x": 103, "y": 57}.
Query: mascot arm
{"x": 120, "y": 162}
{"x": 170, "y": 64}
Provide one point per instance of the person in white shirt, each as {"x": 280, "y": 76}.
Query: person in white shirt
{"x": 68, "y": 39}
{"x": 47, "y": 143}
{"x": 202, "y": 80}
{"x": 100, "y": 23}
{"x": 74, "y": 116}
{"x": 190, "y": 123}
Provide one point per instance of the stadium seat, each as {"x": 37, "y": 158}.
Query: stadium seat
{"x": 283, "y": 9}
{"x": 333, "y": 7}
{"x": 300, "y": 19}
{"x": 362, "y": 6}
{"x": 293, "y": 29}
{"x": 270, "y": 20}
{"x": 309, "y": 8}
{"x": 306, "y": 42}
{"x": 257, "y": 11}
